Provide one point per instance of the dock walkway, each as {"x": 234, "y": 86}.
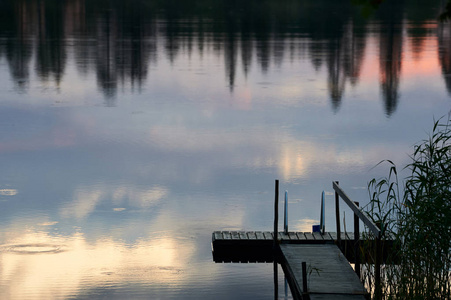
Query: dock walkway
{"x": 329, "y": 274}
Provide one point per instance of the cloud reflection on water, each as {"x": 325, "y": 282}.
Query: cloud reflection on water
{"x": 86, "y": 199}
{"x": 79, "y": 265}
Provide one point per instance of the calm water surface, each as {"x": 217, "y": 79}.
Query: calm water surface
{"x": 130, "y": 130}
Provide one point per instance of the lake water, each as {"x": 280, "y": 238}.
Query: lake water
{"x": 131, "y": 130}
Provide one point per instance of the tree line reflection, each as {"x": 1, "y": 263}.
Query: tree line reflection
{"x": 119, "y": 40}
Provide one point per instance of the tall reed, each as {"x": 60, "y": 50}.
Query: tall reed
{"x": 417, "y": 215}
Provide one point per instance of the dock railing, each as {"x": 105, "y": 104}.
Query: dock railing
{"x": 359, "y": 215}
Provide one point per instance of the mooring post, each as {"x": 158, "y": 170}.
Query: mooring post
{"x": 357, "y": 242}
{"x": 337, "y": 216}
{"x": 276, "y": 212}
{"x": 285, "y": 215}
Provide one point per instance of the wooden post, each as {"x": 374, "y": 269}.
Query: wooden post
{"x": 357, "y": 242}
{"x": 285, "y": 215}
{"x": 276, "y": 212}
{"x": 337, "y": 216}
{"x": 322, "y": 220}
{"x": 377, "y": 271}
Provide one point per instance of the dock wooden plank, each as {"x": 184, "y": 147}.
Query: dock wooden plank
{"x": 268, "y": 235}
{"x": 235, "y": 235}
{"x": 301, "y": 236}
{"x": 327, "y": 236}
{"x": 343, "y": 236}
{"x": 309, "y": 236}
{"x": 317, "y": 236}
{"x": 333, "y": 235}
{"x": 349, "y": 235}
{"x": 284, "y": 236}
{"x": 217, "y": 235}
{"x": 331, "y": 276}
{"x": 334, "y": 297}
{"x": 293, "y": 236}
{"x": 259, "y": 235}
{"x": 251, "y": 235}
{"x": 226, "y": 235}
{"x": 290, "y": 236}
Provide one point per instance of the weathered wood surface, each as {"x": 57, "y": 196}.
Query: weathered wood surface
{"x": 335, "y": 297}
{"x": 329, "y": 274}
{"x": 289, "y": 237}
{"x": 249, "y": 246}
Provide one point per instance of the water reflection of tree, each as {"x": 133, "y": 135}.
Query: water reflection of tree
{"x": 390, "y": 54}
{"x": 338, "y": 42}
{"x": 118, "y": 39}
{"x": 50, "y": 49}
{"x": 345, "y": 62}
{"x": 230, "y": 48}
{"x": 18, "y": 48}
{"x": 444, "y": 53}
{"x": 121, "y": 41}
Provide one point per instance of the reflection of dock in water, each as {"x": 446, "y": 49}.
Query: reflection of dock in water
{"x": 317, "y": 264}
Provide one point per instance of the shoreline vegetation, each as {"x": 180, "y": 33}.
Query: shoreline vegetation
{"x": 417, "y": 213}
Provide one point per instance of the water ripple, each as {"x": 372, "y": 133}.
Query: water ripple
{"x": 34, "y": 248}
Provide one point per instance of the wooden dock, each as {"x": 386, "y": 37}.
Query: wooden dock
{"x": 289, "y": 237}
{"x": 329, "y": 273}
{"x": 257, "y": 246}
{"x": 317, "y": 264}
